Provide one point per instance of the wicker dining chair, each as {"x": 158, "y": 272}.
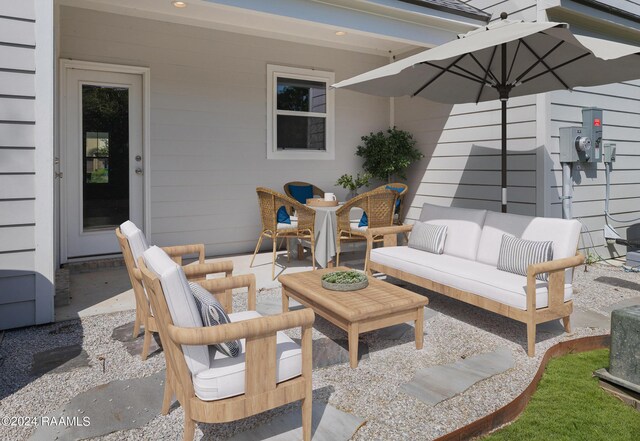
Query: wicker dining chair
{"x": 379, "y": 206}
{"x": 401, "y": 189}
{"x": 270, "y": 371}
{"x": 315, "y": 190}
{"x": 133, "y": 243}
{"x": 301, "y": 227}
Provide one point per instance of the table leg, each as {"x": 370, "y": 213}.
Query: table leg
{"x": 331, "y": 264}
{"x": 300, "y": 252}
{"x": 285, "y": 300}
{"x": 419, "y": 326}
{"x": 353, "y": 344}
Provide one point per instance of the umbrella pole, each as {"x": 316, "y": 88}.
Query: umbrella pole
{"x": 504, "y": 97}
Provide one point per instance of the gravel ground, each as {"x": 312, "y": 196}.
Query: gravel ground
{"x": 372, "y": 391}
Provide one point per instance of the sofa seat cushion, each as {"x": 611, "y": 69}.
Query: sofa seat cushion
{"x": 226, "y": 375}
{"x": 464, "y": 227}
{"x": 466, "y": 275}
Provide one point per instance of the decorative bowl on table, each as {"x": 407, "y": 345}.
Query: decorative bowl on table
{"x": 319, "y": 202}
{"x": 344, "y": 281}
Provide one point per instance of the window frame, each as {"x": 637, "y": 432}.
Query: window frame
{"x": 328, "y": 78}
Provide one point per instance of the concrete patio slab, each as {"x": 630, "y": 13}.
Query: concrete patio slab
{"x": 329, "y": 424}
{"x": 59, "y": 360}
{"x": 624, "y": 303}
{"x": 438, "y": 383}
{"x": 118, "y": 405}
{"x": 581, "y": 318}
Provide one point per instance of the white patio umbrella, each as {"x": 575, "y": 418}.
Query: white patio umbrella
{"x": 502, "y": 60}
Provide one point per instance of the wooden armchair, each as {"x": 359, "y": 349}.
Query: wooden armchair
{"x": 302, "y": 228}
{"x": 135, "y": 243}
{"x": 315, "y": 190}
{"x": 259, "y": 386}
{"x": 378, "y": 205}
{"x": 398, "y": 217}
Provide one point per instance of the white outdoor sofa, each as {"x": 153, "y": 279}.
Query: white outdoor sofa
{"x": 467, "y": 269}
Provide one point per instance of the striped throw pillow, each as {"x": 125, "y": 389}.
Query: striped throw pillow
{"x": 517, "y": 254}
{"x": 428, "y": 237}
{"x": 214, "y": 314}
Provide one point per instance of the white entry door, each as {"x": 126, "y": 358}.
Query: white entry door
{"x": 102, "y": 148}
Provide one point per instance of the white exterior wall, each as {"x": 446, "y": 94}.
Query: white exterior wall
{"x": 26, "y": 150}
{"x": 208, "y": 120}
{"x": 462, "y": 144}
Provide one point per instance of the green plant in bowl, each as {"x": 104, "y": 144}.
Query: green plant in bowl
{"x": 345, "y": 280}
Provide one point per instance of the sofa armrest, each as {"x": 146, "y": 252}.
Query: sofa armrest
{"x": 386, "y": 231}
{"x": 556, "y": 269}
{"x": 178, "y": 251}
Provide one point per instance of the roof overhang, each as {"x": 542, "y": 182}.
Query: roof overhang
{"x": 383, "y": 27}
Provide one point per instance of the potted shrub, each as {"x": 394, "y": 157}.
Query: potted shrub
{"x": 388, "y": 154}
{"x": 351, "y": 280}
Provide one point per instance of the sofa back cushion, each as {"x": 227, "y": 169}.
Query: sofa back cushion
{"x": 464, "y": 227}
{"x": 495, "y": 226}
{"x": 182, "y": 306}
{"x": 136, "y": 238}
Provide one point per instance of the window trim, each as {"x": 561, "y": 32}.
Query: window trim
{"x": 273, "y": 73}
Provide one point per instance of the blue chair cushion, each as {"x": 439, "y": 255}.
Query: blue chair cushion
{"x": 282, "y": 216}
{"x": 396, "y": 189}
{"x": 364, "y": 220}
{"x": 301, "y": 192}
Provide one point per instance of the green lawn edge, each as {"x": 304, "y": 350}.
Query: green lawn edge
{"x": 569, "y": 405}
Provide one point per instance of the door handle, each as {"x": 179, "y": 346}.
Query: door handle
{"x": 138, "y": 171}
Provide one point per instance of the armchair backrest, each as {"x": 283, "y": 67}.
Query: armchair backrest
{"x": 175, "y": 296}
{"x": 270, "y": 202}
{"x": 314, "y": 190}
{"x": 134, "y": 239}
{"x": 378, "y": 204}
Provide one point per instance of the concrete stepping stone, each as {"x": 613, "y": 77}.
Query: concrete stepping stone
{"x": 438, "y": 383}
{"x": 59, "y": 360}
{"x": 273, "y": 306}
{"x": 328, "y": 424}
{"x": 624, "y": 303}
{"x": 133, "y": 346}
{"x": 580, "y": 318}
{"x": 327, "y": 352}
{"x": 118, "y": 405}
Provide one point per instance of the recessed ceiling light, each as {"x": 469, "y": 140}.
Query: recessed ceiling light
{"x": 179, "y": 4}
{"x": 341, "y": 33}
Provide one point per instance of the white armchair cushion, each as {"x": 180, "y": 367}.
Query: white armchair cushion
{"x": 464, "y": 227}
{"x": 226, "y": 376}
{"x": 136, "y": 238}
{"x": 182, "y": 305}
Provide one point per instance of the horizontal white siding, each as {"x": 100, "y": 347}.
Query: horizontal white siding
{"x": 621, "y": 125}
{"x": 208, "y": 120}
{"x": 17, "y": 167}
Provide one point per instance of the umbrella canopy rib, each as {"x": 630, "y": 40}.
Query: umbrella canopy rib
{"x": 538, "y": 61}
{"x": 515, "y": 56}
{"x": 442, "y": 72}
{"x": 573, "y": 60}
{"x": 544, "y": 63}
{"x": 488, "y": 68}
{"x": 487, "y": 71}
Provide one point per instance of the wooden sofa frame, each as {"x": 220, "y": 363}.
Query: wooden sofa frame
{"x": 194, "y": 272}
{"x": 557, "y": 308}
{"x": 261, "y": 391}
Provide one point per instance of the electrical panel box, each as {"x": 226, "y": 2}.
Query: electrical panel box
{"x": 609, "y": 152}
{"x": 592, "y": 124}
{"x": 583, "y": 144}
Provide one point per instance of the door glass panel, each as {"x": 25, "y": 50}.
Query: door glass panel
{"x": 105, "y": 146}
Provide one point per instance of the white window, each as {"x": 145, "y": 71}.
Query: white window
{"x": 300, "y": 113}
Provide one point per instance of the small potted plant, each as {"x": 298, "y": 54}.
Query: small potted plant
{"x": 345, "y": 280}
{"x": 353, "y": 184}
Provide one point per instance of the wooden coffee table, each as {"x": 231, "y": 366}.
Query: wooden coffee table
{"x": 377, "y": 306}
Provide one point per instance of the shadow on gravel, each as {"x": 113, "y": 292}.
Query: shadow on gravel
{"x": 27, "y": 354}
{"x": 618, "y": 283}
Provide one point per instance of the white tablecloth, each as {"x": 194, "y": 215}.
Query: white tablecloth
{"x": 326, "y": 231}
